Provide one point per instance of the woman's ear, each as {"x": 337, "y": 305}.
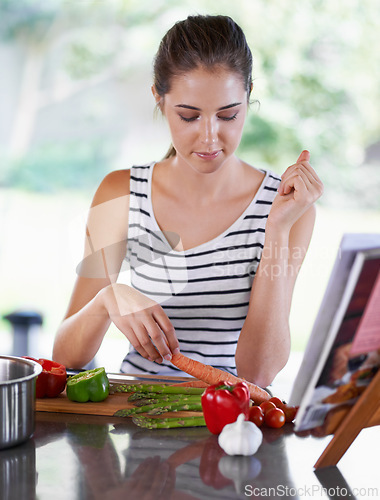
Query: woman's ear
{"x": 157, "y": 97}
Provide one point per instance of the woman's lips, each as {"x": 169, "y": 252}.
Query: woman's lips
{"x": 208, "y": 156}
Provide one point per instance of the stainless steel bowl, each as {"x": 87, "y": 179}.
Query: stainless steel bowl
{"x": 17, "y": 399}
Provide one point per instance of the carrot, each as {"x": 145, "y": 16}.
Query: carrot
{"x": 212, "y": 375}
{"x": 192, "y": 383}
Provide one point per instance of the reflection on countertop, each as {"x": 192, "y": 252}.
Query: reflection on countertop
{"x": 89, "y": 457}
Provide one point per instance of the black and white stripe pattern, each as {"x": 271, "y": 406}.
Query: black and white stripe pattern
{"x": 204, "y": 290}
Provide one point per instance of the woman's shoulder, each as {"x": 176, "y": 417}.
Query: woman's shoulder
{"x": 262, "y": 176}
{"x": 114, "y": 185}
{"x": 264, "y": 172}
{"x": 117, "y": 183}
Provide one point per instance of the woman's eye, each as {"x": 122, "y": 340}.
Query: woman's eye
{"x": 188, "y": 118}
{"x": 228, "y": 118}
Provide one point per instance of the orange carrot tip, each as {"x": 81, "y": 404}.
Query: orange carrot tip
{"x": 211, "y": 376}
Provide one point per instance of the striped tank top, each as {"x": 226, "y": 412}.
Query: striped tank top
{"x": 205, "y": 290}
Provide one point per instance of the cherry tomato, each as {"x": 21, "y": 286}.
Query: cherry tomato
{"x": 266, "y": 406}
{"x": 290, "y": 411}
{"x": 274, "y": 418}
{"x": 256, "y": 415}
{"x": 277, "y": 402}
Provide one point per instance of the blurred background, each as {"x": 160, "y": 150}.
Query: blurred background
{"x": 75, "y": 103}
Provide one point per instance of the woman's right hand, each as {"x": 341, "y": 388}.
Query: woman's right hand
{"x": 142, "y": 321}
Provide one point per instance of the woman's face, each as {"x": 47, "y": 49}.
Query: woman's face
{"x": 206, "y": 111}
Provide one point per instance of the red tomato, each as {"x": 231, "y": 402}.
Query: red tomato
{"x": 290, "y": 411}
{"x": 266, "y": 406}
{"x": 277, "y": 402}
{"x": 256, "y": 415}
{"x": 275, "y": 418}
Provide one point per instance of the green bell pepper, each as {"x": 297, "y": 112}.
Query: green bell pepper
{"x": 91, "y": 385}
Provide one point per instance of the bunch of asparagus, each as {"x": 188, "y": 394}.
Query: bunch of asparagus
{"x": 157, "y": 399}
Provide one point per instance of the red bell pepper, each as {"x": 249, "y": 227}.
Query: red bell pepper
{"x": 52, "y": 380}
{"x": 222, "y": 403}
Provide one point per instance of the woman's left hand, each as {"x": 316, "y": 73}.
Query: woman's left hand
{"x": 300, "y": 187}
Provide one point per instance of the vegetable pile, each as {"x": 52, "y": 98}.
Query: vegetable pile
{"x": 90, "y": 385}
{"x": 221, "y": 404}
{"x": 217, "y": 397}
{"x": 221, "y": 396}
{"x": 279, "y": 414}
{"x": 273, "y": 413}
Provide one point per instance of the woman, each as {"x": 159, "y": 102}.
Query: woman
{"x": 197, "y": 223}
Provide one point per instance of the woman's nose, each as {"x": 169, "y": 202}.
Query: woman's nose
{"x": 209, "y": 131}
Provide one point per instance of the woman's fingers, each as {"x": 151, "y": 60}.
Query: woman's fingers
{"x": 151, "y": 339}
{"x": 148, "y": 336}
{"x": 143, "y": 322}
{"x": 156, "y": 336}
{"x": 299, "y": 188}
{"x": 302, "y": 188}
{"x": 166, "y": 326}
{"x": 304, "y": 156}
{"x": 291, "y": 180}
{"x": 312, "y": 174}
{"x": 160, "y": 332}
{"x": 305, "y": 171}
{"x": 136, "y": 344}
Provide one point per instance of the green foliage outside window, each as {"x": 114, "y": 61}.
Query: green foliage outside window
{"x": 316, "y": 79}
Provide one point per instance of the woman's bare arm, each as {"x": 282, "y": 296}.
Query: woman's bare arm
{"x": 264, "y": 343}
{"x": 97, "y": 299}
{"x": 86, "y": 321}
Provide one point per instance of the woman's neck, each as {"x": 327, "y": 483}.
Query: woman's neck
{"x": 204, "y": 187}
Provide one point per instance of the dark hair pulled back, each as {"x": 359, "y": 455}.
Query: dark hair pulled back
{"x": 202, "y": 41}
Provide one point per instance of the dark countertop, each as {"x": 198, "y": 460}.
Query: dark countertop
{"x": 89, "y": 457}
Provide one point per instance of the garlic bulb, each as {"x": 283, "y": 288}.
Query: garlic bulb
{"x": 241, "y": 437}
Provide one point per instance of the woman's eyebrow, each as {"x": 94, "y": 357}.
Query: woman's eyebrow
{"x": 186, "y": 106}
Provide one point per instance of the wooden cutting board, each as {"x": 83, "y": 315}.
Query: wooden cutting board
{"x": 109, "y": 406}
